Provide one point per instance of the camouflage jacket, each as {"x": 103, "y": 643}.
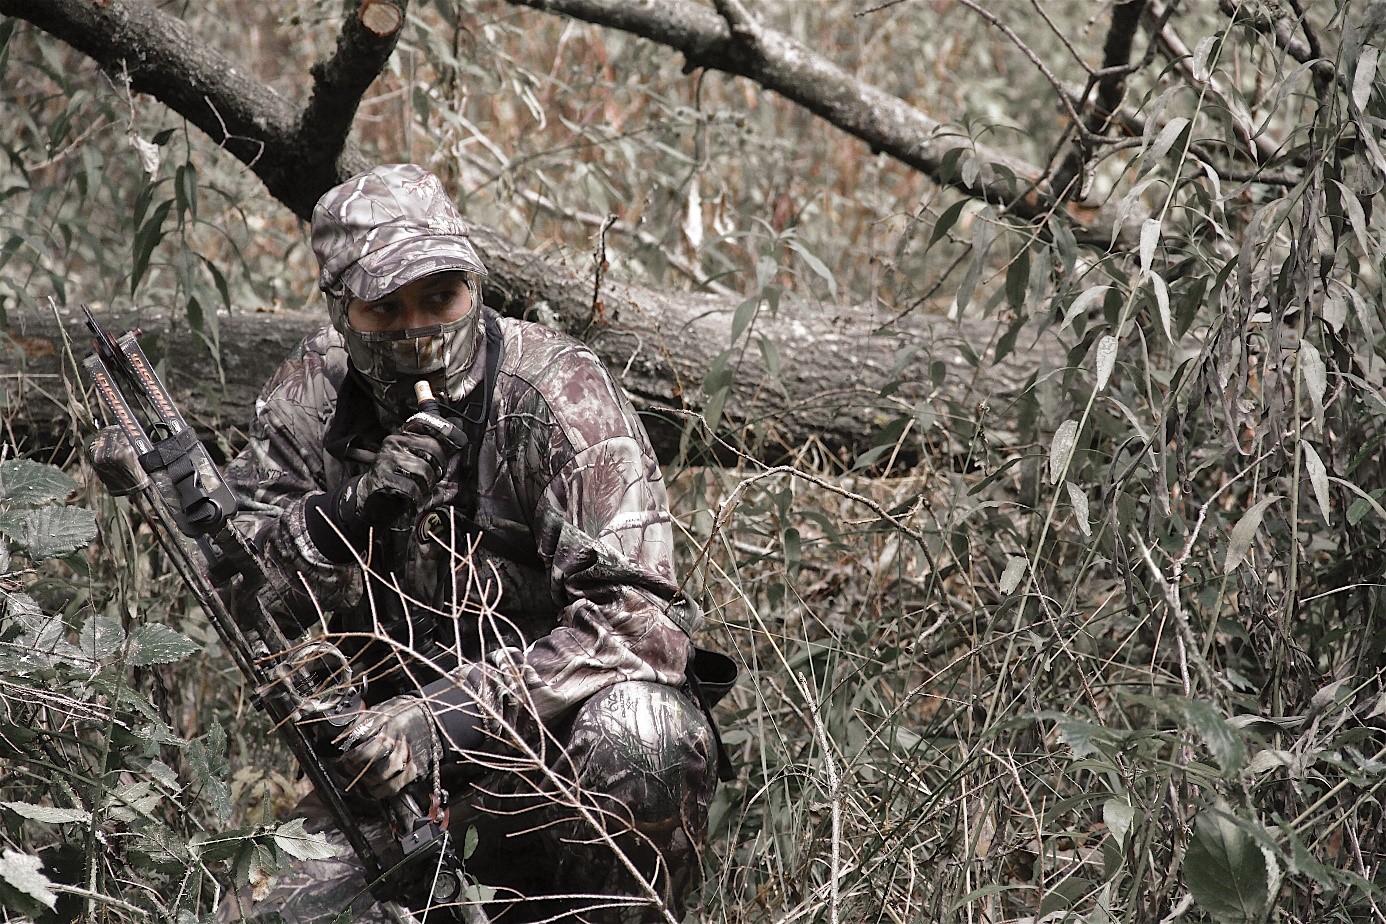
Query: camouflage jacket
{"x": 574, "y": 589}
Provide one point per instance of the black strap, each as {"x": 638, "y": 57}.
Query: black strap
{"x": 711, "y": 675}
{"x": 355, "y": 423}
{"x": 474, "y": 415}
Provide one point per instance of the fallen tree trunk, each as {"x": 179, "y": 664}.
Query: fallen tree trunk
{"x": 834, "y": 364}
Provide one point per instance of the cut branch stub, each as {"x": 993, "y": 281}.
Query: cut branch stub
{"x": 383, "y": 17}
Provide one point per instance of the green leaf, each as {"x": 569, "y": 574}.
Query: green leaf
{"x": 291, "y": 838}
{"x": 719, "y": 374}
{"x": 135, "y": 800}
{"x": 101, "y": 637}
{"x": 1106, "y": 360}
{"x": 469, "y": 842}
{"x": 793, "y": 550}
{"x": 255, "y": 863}
{"x": 49, "y": 532}
{"x": 1165, "y": 140}
{"x": 1315, "y": 377}
{"x": 1318, "y": 479}
{"x": 1366, "y": 499}
{"x": 219, "y": 280}
{"x": 1205, "y": 56}
{"x": 164, "y": 775}
{"x": 1082, "y": 303}
{"x": 1118, "y": 815}
{"x": 1364, "y": 77}
{"x": 155, "y": 643}
{"x": 22, "y": 871}
{"x": 818, "y": 266}
{"x": 1006, "y": 342}
{"x": 204, "y": 324}
{"x": 1150, "y": 239}
{"x": 1225, "y": 870}
{"x": 148, "y": 237}
{"x": 48, "y": 814}
{"x": 222, "y": 845}
{"x": 207, "y": 758}
{"x": 946, "y": 221}
{"x": 1352, "y": 208}
{"x": 24, "y": 483}
{"x": 1018, "y": 280}
{"x": 771, "y": 355}
{"x": 1061, "y": 449}
{"x": 1221, "y": 738}
{"x": 185, "y": 185}
{"x": 1157, "y": 284}
{"x": 1015, "y": 570}
{"x": 1081, "y": 512}
{"x": 745, "y": 313}
{"x": 1084, "y": 738}
{"x": 1245, "y": 530}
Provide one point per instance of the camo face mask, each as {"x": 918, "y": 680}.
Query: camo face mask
{"x": 445, "y": 355}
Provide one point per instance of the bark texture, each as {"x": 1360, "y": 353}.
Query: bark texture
{"x": 835, "y": 362}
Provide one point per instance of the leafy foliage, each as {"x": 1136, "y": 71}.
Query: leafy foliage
{"x": 1107, "y": 646}
{"x": 100, "y": 791}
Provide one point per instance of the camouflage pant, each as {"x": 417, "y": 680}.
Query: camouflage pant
{"x": 609, "y": 829}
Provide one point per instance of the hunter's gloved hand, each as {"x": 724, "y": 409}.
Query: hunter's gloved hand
{"x": 399, "y": 481}
{"x": 404, "y": 472}
{"x": 115, "y": 462}
{"x": 386, "y": 748}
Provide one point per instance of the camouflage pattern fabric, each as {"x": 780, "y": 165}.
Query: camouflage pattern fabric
{"x": 572, "y": 593}
{"x": 610, "y": 829}
{"x": 381, "y": 230}
{"x": 386, "y": 227}
{"x": 565, "y": 472}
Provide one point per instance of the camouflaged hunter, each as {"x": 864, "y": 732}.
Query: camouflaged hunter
{"x": 520, "y": 628}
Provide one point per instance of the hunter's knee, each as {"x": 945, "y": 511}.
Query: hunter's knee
{"x": 647, "y": 746}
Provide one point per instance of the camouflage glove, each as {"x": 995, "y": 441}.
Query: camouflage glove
{"x": 390, "y": 494}
{"x": 115, "y": 462}
{"x": 386, "y": 748}
{"x": 404, "y": 473}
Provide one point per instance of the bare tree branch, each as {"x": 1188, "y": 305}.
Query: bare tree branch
{"x": 1060, "y": 35}
{"x": 367, "y": 40}
{"x": 743, "y": 27}
{"x": 1305, "y": 51}
{"x": 1116, "y": 54}
{"x": 159, "y": 55}
{"x": 1311, "y": 38}
{"x": 1260, "y": 147}
{"x": 995, "y": 22}
{"x": 885, "y": 122}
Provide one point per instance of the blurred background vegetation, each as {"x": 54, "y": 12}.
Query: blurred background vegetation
{"x": 1105, "y": 647}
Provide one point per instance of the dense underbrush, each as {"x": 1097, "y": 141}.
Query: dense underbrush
{"x": 913, "y": 740}
{"x": 1107, "y": 646}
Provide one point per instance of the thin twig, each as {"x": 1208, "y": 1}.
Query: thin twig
{"x": 1060, "y": 35}
{"x": 1035, "y": 59}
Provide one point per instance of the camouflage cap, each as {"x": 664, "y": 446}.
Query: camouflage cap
{"x": 385, "y": 228}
